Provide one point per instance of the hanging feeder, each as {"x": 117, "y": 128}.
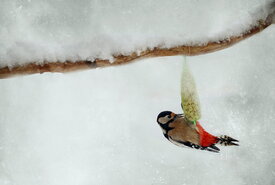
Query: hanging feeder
{"x": 189, "y": 97}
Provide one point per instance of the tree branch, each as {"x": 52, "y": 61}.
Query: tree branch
{"x": 69, "y": 66}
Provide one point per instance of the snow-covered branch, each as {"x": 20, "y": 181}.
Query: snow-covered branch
{"x": 194, "y": 48}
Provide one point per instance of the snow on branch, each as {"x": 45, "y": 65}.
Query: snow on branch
{"x": 119, "y": 59}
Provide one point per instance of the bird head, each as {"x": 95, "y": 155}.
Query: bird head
{"x": 166, "y": 117}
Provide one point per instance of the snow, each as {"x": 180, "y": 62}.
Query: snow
{"x": 99, "y": 126}
{"x": 38, "y": 31}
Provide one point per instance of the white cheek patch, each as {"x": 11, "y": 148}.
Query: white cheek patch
{"x": 163, "y": 120}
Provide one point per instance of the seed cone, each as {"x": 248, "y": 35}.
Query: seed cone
{"x": 189, "y": 97}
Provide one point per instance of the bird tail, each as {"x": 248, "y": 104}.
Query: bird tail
{"x": 227, "y": 141}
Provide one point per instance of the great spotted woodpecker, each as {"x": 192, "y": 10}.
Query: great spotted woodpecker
{"x": 182, "y": 132}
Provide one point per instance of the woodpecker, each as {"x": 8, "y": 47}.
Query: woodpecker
{"x": 182, "y": 132}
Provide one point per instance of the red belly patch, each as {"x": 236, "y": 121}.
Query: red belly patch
{"x": 206, "y": 139}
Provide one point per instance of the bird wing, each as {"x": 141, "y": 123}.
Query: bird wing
{"x": 189, "y": 97}
{"x": 192, "y": 145}
{"x": 186, "y": 134}
{"x": 183, "y": 130}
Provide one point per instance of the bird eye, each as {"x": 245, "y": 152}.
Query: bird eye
{"x": 169, "y": 116}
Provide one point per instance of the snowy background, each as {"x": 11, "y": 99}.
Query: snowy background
{"x": 99, "y": 126}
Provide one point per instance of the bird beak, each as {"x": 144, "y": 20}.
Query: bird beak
{"x": 179, "y": 115}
